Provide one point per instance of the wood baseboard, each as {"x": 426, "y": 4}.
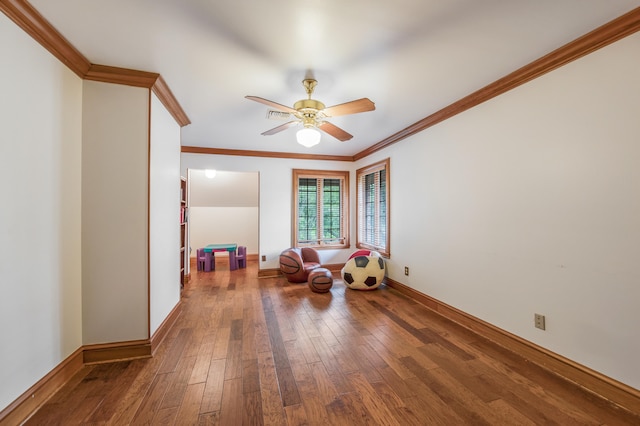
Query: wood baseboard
{"x": 334, "y": 267}
{"x": 269, "y": 273}
{"x": 610, "y": 389}
{"x": 27, "y": 403}
{"x": 275, "y": 272}
{"x": 119, "y": 351}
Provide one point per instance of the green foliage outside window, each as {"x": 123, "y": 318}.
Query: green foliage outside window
{"x": 320, "y": 209}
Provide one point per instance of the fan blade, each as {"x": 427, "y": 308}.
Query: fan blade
{"x": 272, "y": 104}
{"x": 280, "y": 128}
{"x": 353, "y": 107}
{"x": 334, "y": 131}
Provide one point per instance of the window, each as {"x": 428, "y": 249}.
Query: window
{"x": 321, "y": 208}
{"x": 372, "y": 184}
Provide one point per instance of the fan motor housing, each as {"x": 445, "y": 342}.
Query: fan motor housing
{"x": 308, "y": 104}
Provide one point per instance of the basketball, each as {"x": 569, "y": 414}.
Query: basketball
{"x": 288, "y": 265}
{"x": 320, "y": 280}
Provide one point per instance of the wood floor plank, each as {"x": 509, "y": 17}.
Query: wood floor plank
{"x": 250, "y": 376}
{"x": 221, "y": 345}
{"x": 349, "y": 360}
{"x": 234, "y": 360}
{"x": 390, "y": 351}
{"x": 135, "y": 394}
{"x": 296, "y": 415}
{"x": 249, "y": 349}
{"x": 272, "y": 409}
{"x": 349, "y": 409}
{"x": 252, "y": 410}
{"x": 203, "y": 359}
{"x": 261, "y": 334}
{"x": 376, "y": 405}
{"x": 68, "y": 390}
{"x": 519, "y": 397}
{"x": 395, "y": 382}
{"x": 450, "y": 395}
{"x": 113, "y": 398}
{"x": 326, "y": 355}
{"x": 232, "y": 402}
{"x": 508, "y": 414}
{"x": 89, "y": 394}
{"x": 212, "y": 397}
{"x": 209, "y": 419}
{"x": 315, "y": 410}
{"x": 170, "y": 361}
{"x": 288, "y": 388}
{"x": 425, "y": 335}
{"x": 267, "y": 352}
{"x": 466, "y": 372}
{"x": 327, "y": 391}
{"x": 151, "y": 402}
{"x": 178, "y": 386}
{"x": 189, "y": 411}
{"x": 386, "y": 392}
{"x": 165, "y": 416}
{"x": 313, "y": 405}
{"x": 200, "y": 368}
{"x": 428, "y": 406}
{"x": 465, "y": 396}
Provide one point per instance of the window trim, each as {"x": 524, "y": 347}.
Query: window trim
{"x": 360, "y": 174}
{"x": 343, "y": 176}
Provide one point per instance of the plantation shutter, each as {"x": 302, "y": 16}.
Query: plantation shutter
{"x": 332, "y": 216}
{"x": 372, "y": 202}
{"x": 321, "y": 208}
{"x": 308, "y": 208}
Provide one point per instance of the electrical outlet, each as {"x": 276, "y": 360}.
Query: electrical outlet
{"x": 539, "y": 321}
{"x": 264, "y": 258}
{"x": 406, "y": 270}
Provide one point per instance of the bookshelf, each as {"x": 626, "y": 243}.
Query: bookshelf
{"x": 183, "y": 229}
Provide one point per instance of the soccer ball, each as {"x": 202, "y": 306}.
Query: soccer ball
{"x": 364, "y": 272}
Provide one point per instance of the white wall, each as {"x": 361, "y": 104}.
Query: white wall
{"x": 223, "y": 209}
{"x": 218, "y": 225}
{"x": 275, "y": 198}
{"x": 164, "y": 201}
{"x": 115, "y": 170}
{"x": 40, "y": 268}
{"x": 529, "y": 204}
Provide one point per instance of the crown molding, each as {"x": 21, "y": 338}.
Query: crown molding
{"x": 151, "y": 80}
{"x": 164, "y": 93}
{"x": 34, "y": 24}
{"x": 602, "y": 36}
{"x": 30, "y": 20}
{"x": 268, "y": 154}
{"x": 128, "y": 77}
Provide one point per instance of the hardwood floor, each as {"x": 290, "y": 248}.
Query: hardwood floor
{"x": 248, "y": 351}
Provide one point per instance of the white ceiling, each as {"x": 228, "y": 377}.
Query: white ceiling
{"x": 410, "y": 57}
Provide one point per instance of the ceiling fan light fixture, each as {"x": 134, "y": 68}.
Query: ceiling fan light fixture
{"x": 311, "y": 114}
{"x": 308, "y": 137}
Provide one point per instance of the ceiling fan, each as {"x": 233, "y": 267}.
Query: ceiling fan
{"x": 312, "y": 114}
